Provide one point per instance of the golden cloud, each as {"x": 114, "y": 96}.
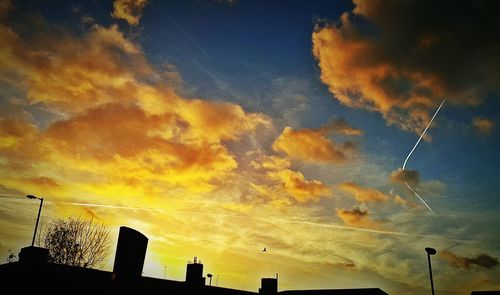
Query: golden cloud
{"x": 312, "y": 144}
{"x": 308, "y": 145}
{"x": 140, "y": 150}
{"x": 357, "y": 217}
{"x": 363, "y": 194}
{"x": 129, "y": 10}
{"x": 483, "y": 126}
{"x": 117, "y": 127}
{"x": 72, "y": 74}
{"x": 295, "y": 184}
{"x": 278, "y": 183}
{"x": 406, "y": 82}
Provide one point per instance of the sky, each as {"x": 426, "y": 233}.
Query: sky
{"x": 220, "y": 127}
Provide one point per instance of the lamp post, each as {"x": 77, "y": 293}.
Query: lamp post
{"x": 430, "y": 251}
{"x": 210, "y": 278}
{"x": 38, "y": 217}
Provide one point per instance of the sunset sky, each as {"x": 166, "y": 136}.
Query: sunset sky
{"x": 220, "y": 127}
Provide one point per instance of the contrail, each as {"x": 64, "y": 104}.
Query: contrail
{"x": 110, "y": 206}
{"x": 230, "y": 215}
{"x": 344, "y": 227}
{"x": 411, "y": 152}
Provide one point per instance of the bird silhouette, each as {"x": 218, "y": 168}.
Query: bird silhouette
{"x": 264, "y": 250}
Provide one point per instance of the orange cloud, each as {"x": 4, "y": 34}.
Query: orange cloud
{"x": 312, "y": 144}
{"x": 43, "y": 181}
{"x": 483, "y": 126}
{"x": 302, "y": 190}
{"x": 13, "y": 132}
{"x": 269, "y": 162}
{"x": 363, "y": 194}
{"x": 129, "y": 10}
{"x": 71, "y": 74}
{"x": 279, "y": 183}
{"x": 357, "y": 217}
{"x": 309, "y": 145}
{"x": 405, "y": 83}
{"x": 116, "y": 126}
{"x": 217, "y": 121}
{"x": 102, "y": 149}
{"x": 400, "y": 176}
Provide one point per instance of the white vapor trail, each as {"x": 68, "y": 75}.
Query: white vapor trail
{"x": 411, "y": 152}
{"x": 111, "y": 206}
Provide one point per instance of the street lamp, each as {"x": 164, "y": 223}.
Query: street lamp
{"x": 38, "y": 217}
{"x": 210, "y": 277}
{"x": 430, "y": 251}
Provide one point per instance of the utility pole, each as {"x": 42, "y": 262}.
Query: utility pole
{"x": 430, "y": 251}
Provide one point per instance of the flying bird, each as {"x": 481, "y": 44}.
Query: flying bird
{"x": 264, "y": 250}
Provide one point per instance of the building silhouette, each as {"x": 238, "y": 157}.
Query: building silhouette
{"x": 130, "y": 253}
{"x": 34, "y": 274}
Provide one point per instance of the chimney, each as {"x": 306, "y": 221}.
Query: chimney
{"x": 194, "y": 273}
{"x": 33, "y": 255}
{"x": 130, "y": 253}
{"x": 269, "y": 286}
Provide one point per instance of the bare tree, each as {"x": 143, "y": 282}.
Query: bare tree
{"x": 77, "y": 242}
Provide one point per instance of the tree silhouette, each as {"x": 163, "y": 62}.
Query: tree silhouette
{"x": 76, "y": 242}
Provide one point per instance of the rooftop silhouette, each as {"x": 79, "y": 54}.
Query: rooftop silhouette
{"x": 33, "y": 273}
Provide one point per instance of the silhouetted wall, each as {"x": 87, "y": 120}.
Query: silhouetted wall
{"x": 194, "y": 274}
{"x": 33, "y": 254}
{"x": 130, "y": 253}
{"x": 269, "y": 286}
